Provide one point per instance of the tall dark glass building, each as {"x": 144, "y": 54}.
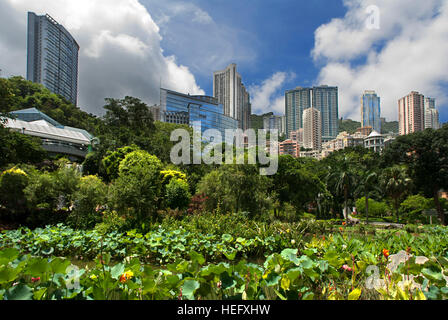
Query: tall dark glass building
{"x": 182, "y": 108}
{"x": 52, "y": 56}
{"x": 371, "y": 110}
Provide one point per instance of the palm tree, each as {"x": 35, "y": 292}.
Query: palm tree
{"x": 367, "y": 185}
{"x": 343, "y": 180}
{"x": 396, "y": 182}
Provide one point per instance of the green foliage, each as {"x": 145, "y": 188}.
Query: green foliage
{"x": 412, "y": 208}
{"x": 112, "y": 161}
{"x": 376, "y": 209}
{"x": 396, "y": 183}
{"x": 18, "y": 148}
{"x": 50, "y": 195}
{"x": 425, "y": 155}
{"x": 349, "y": 126}
{"x": 333, "y": 267}
{"x": 137, "y": 190}
{"x": 294, "y": 183}
{"x": 12, "y": 184}
{"x": 23, "y": 94}
{"x": 88, "y": 199}
{"x": 177, "y": 194}
{"x": 236, "y": 188}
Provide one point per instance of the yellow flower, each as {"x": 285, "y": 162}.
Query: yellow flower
{"x": 126, "y": 276}
{"x": 93, "y": 277}
{"x": 15, "y": 171}
{"x": 288, "y": 231}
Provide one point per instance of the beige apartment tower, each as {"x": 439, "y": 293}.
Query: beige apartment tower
{"x": 312, "y": 129}
{"x": 411, "y": 113}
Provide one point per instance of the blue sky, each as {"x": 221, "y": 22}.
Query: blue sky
{"x": 282, "y": 33}
{"x": 272, "y": 37}
{"x": 129, "y": 46}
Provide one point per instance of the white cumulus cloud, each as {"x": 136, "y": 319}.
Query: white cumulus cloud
{"x": 267, "y": 97}
{"x": 408, "y": 52}
{"x": 120, "y": 51}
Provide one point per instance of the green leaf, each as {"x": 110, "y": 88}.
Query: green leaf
{"x": 188, "y": 289}
{"x": 290, "y": 255}
{"x": 433, "y": 275}
{"x": 59, "y": 265}
{"x": 7, "y": 275}
{"x": 8, "y": 255}
{"x": 272, "y": 279}
{"x": 308, "y": 296}
{"x": 19, "y": 292}
{"x": 280, "y": 295}
{"x": 37, "y": 267}
{"x": 230, "y": 255}
{"x": 227, "y": 238}
{"x": 197, "y": 257}
{"x": 117, "y": 271}
{"x": 355, "y": 294}
{"x": 294, "y": 273}
{"x": 228, "y": 282}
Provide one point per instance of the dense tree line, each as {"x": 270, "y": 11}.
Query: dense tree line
{"x": 129, "y": 175}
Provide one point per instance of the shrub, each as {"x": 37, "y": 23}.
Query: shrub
{"x": 177, "y": 194}
{"x": 376, "y": 209}
{"x": 89, "y": 198}
{"x": 197, "y": 204}
{"x": 12, "y": 184}
{"x": 112, "y": 161}
{"x": 234, "y": 188}
{"x": 111, "y": 221}
{"x": 137, "y": 191}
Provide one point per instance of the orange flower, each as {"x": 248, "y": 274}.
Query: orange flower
{"x": 386, "y": 253}
{"x": 340, "y": 229}
{"x": 344, "y": 223}
{"x": 126, "y": 276}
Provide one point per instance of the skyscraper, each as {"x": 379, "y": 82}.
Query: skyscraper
{"x": 228, "y": 88}
{"x": 431, "y": 114}
{"x": 52, "y": 58}
{"x": 325, "y": 99}
{"x": 296, "y": 101}
{"x": 371, "y": 110}
{"x": 411, "y": 113}
{"x": 312, "y": 129}
{"x": 273, "y": 123}
{"x": 322, "y": 98}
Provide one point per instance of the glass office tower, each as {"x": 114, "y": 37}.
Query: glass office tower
{"x": 325, "y": 100}
{"x": 52, "y": 58}
{"x": 371, "y": 111}
{"x": 182, "y": 108}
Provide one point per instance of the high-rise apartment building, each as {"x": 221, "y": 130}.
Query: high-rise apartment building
{"x": 230, "y": 91}
{"x": 52, "y": 58}
{"x": 325, "y": 99}
{"x": 411, "y": 113}
{"x": 371, "y": 110}
{"x": 431, "y": 114}
{"x": 296, "y": 101}
{"x": 312, "y": 129}
{"x": 322, "y": 98}
{"x": 273, "y": 123}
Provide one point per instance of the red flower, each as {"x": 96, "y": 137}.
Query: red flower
{"x": 34, "y": 280}
{"x": 347, "y": 268}
{"x": 386, "y": 253}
